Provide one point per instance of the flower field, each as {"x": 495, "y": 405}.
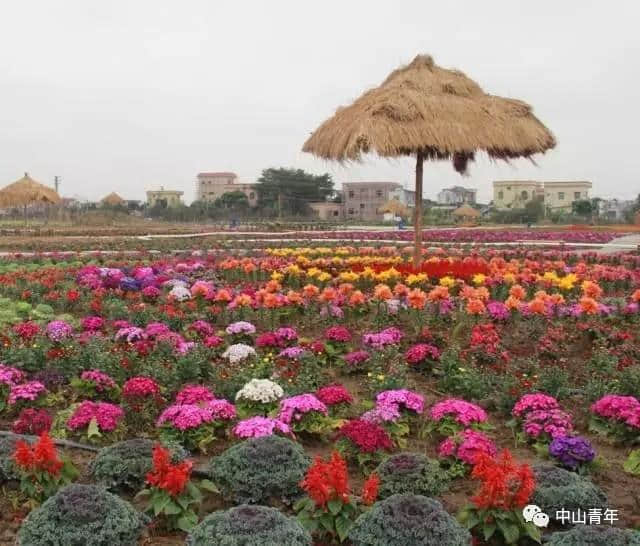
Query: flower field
{"x": 321, "y": 395}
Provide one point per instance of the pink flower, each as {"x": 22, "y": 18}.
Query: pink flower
{"x": 194, "y": 394}
{"x": 140, "y": 387}
{"x": 255, "y": 427}
{"x": 402, "y": 397}
{"x": 100, "y": 379}
{"x": 533, "y": 402}
{"x": 10, "y": 376}
{"x": 467, "y": 446}
{"x": 463, "y": 412}
{"x": 189, "y": 416}
{"x": 421, "y": 352}
{"x": 555, "y": 423}
{"x": 26, "y": 391}
{"x": 295, "y": 407}
{"x": 106, "y": 415}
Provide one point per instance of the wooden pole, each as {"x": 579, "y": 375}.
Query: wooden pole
{"x": 417, "y": 221}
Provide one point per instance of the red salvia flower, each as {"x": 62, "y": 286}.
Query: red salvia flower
{"x": 505, "y": 484}
{"x": 327, "y": 480}
{"x": 370, "y": 489}
{"x": 172, "y": 478}
{"x": 41, "y": 457}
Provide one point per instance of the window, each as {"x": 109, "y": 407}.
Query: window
{"x": 350, "y": 211}
{"x": 509, "y": 188}
{"x": 524, "y": 194}
{"x": 335, "y": 213}
{"x": 378, "y": 193}
{"x": 576, "y": 195}
{"x": 252, "y": 195}
{"x": 500, "y": 195}
{"x": 561, "y": 196}
{"x": 351, "y": 193}
{"x": 361, "y": 206}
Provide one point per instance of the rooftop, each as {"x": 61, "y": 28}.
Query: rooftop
{"x": 221, "y": 173}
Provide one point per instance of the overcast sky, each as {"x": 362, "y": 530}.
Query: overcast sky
{"x": 129, "y": 95}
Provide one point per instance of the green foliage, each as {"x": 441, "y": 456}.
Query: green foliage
{"x": 8, "y": 470}
{"x": 260, "y": 469}
{"x": 249, "y": 525}
{"x": 82, "y": 514}
{"x": 402, "y": 520}
{"x": 488, "y": 523}
{"x": 595, "y": 535}
{"x": 558, "y": 489}
{"x": 554, "y": 380}
{"x": 124, "y": 465}
{"x": 411, "y": 473}
{"x": 330, "y": 522}
{"x": 632, "y": 463}
{"x": 290, "y": 190}
{"x": 458, "y": 378}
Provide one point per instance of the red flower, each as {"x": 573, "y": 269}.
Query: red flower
{"x": 505, "y": 484}
{"x": 370, "y": 489}
{"x": 41, "y": 457}
{"x": 73, "y": 296}
{"x": 172, "y": 478}
{"x": 327, "y": 480}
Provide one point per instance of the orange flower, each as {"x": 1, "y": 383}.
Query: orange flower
{"x": 438, "y": 293}
{"x": 382, "y": 292}
{"x": 242, "y": 300}
{"x": 588, "y": 305}
{"x": 482, "y": 293}
{"x": 357, "y": 298}
{"x": 310, "y": 291}
{"x": 294, "y": 297}
{"x": 591, "y": 289}
{"x": 417, "y": 298}
{"x": 328, "y": 294}
{"x": 249, "y": 267}
{"x": 400, "y": 289}
{"x": 271, "y": 301}
{"x": 538, "y": 306}
{"x": 273, "y": 286}
{"x": 557, "y": 299}
{"x": 512, "y": 302}
{"x": 475, "y": 306}
{"x": 517, "y": 292}
{"x": 636, "y": 295}
{"x": 345, "y": 288}
{"x": 222, "y": 295}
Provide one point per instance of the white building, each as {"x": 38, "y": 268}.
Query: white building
{"x": 457, "y": 195}
{"x": 613, "y": 209}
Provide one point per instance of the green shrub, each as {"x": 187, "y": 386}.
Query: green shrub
{"x": 7, "y": 466}
{"x": 124, "y": 465}
{"x": 249, "y": 525}
{"x": 411, "y": 473}
{"x": 557, "y": 489}
{"x": 261, "y": 468}
{"x": 594, "y": 535}
{"x": 408, "y": 520}
{"x": 85, "y": 515}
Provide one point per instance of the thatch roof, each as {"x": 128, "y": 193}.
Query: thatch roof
{"x": 26, "y": 191}
{"x": 112, "y": 199}
{"x": 442, "y": 113}
{"x": 396, "y": 207}
{"x": 466, "y": 212}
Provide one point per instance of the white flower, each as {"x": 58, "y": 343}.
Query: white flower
{"x": 174, "y": 282}
{"x": 260, "y": 390}
{"x": 180, "y": 293}
{"x": 239, "y": 351}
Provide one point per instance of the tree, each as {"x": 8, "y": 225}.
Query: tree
{"x": 534, "y": 210}
{"x": 233, "y": 200}
{"x": 288, "y": 192}
{"x": 582, "y": 207}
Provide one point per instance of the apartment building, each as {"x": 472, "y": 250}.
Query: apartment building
{"x": 212, "y": 185}
{"x": 557, "y": 196}
{"x": 457, "y": 195}
{"x": 167, "y": 198}
{"x": 362, "y": 200}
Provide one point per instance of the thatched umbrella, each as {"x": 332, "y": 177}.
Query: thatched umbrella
{"x": 395, "y": 207}
{"x": 113, "y": 199}
{"x": 466, "y": 212}
{"x": 25, "y": 191}
{"x": 433, "y": 113}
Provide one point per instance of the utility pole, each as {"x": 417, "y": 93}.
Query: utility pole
{"x": 56, "y": 182}
{"x": 279, "y": 206}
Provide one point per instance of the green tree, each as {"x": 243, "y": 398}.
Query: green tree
{"x": 288, "y": 192}
{"x": 233, "y": 200}
{"x": 582, "y": 207}
{"x": 534, "y": 210}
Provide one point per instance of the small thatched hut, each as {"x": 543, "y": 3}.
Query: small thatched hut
{"x": 112, "y": 200}
{"x": 25, "y": 191}
{"x": 466, "y": 213}
{"x": 432, "y": 113}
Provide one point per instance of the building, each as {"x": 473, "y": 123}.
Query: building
{"x": 406, "y": 197}
{"x": 363, "y": 200}
{"x": 212, "y": 185}
{"x": 112, "y": 200}
{"x": 613, "y": 209}
{"x": 165, "y": 198}
{"x": 556, "y": 196}
{"x": 328, "y": 211}
{"x": 457, "y": 195}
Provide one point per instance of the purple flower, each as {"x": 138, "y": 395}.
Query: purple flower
{"x": 292, "y": 352}
{"x": 498, "y": 310}
{"x": 379, "y": 340}
{"x": 572, "y": 451}
{"x": 57, "y": 330}
{"x": 241, "y": 327}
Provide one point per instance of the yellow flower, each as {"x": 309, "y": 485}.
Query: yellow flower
{"x": 447, "y": 281}
{"x": 276, "y": 276}
{"x": 479, "y": 279}
{"x": 380, "y": 377}
{"x": 324, "y": 276}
